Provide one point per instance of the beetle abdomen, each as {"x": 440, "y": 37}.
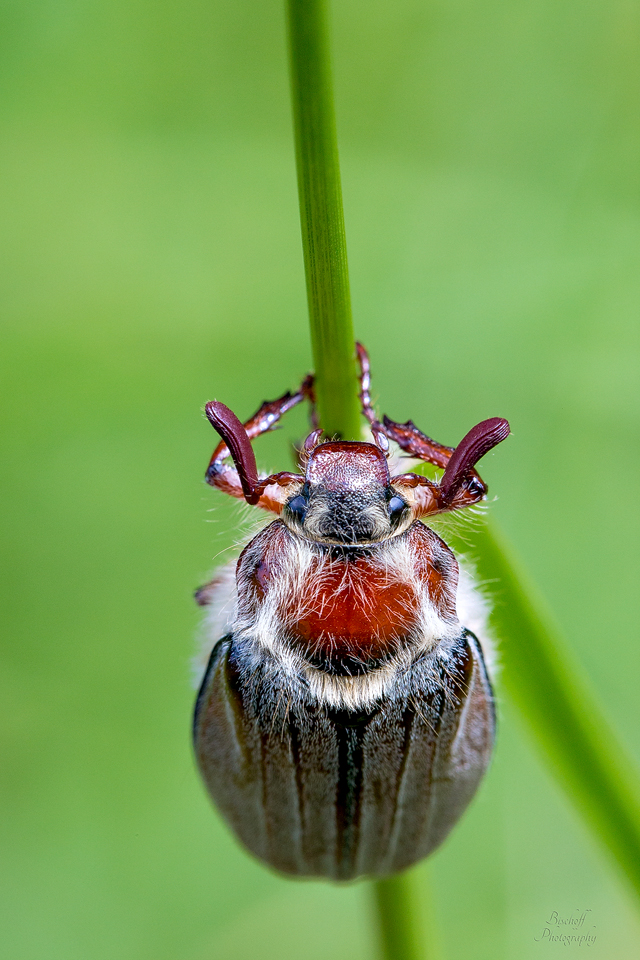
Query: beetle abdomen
{"x": 315, "y": 791}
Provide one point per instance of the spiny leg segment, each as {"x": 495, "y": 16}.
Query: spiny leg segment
{"x": 460, "y": 484}
{"x": 241, "y": 480}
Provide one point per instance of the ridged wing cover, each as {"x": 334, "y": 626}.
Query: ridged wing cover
{"x": 340, "y": 794}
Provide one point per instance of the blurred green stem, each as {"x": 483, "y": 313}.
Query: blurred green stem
{"x": 400, "y": 932}
{"x": 325, "y": 261}
{"x": 559, "y": 707}
{"x": 322, "y": 220}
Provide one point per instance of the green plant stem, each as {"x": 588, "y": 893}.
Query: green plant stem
{"x": 561, "y": 710}
{"x": 325, "y": 260}
{"x": 400, "y": 934}
{"x": 322, "y": 220}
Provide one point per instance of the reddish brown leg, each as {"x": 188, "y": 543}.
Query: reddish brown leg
{"x": 460, "y": 485}
{"x": 241, "y": 480}
{"x": 377, "y": 429}
{"x": 406, "y": 435}
{"x": 416, "y": 443}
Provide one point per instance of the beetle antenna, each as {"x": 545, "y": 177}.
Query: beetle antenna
{"x": 235, "y": 436}
{"x": 480, "y": 439}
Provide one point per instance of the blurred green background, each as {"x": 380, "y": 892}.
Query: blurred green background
{"x": 151, "y": 261}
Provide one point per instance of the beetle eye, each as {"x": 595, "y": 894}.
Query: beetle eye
{"x": 396, "y": 508}
{"x": 298, "y": 508}
{"x": 475, "y": 487}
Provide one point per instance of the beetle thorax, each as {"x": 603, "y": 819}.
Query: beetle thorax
{"x": 346, "y": 612}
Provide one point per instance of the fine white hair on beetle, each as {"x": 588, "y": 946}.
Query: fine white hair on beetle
{"x": 304, "y": 565}
{"x": 398, "y": 461}
{"x": 221, "y": 591}
{"x": 222, "y": 598}
{"x": 460, "y": 523}
{"x": 474, "y": 610}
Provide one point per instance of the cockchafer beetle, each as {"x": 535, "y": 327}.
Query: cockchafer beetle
{"x": 346, "y": 718}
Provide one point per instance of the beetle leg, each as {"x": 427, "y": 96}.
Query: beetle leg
{"x": 266, "y": 418}
{"x": 416, "y": 443}
{"x": 406, "y": 435}
{"x": 241, "y": 480}
{"x": 378, "y": 431}
{"x": 427, "y": 495}
{"x": 460, "y": 485}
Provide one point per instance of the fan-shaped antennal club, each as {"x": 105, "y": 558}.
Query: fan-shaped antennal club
{"x": 235, "y": 436}
{"x": 480, "y": 439}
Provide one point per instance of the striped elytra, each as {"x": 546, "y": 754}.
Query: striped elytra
{"x": 316, "y": 791}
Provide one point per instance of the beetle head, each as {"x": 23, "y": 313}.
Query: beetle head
{"x": 347, "y": 498}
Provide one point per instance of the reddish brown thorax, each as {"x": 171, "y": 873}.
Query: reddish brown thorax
{"x": 347, "y": 466}
{"x": 350, "y": 608}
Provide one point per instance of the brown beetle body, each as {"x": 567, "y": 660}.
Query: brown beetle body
{"x": 345, "y": 722}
